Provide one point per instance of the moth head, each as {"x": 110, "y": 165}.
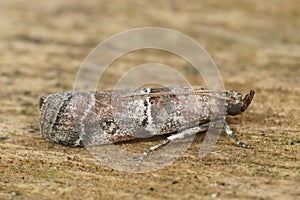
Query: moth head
{"x": 237, "y": 104}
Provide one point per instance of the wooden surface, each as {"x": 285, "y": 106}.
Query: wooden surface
{"x": 256, "y": 45}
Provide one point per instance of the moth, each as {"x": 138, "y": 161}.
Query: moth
{"x": 104, "y": 117}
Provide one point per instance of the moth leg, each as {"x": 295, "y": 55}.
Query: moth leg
{"x": 238, "y": 142}
{"x": 180, "y": 135}
{"x": 145, "y": 154}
